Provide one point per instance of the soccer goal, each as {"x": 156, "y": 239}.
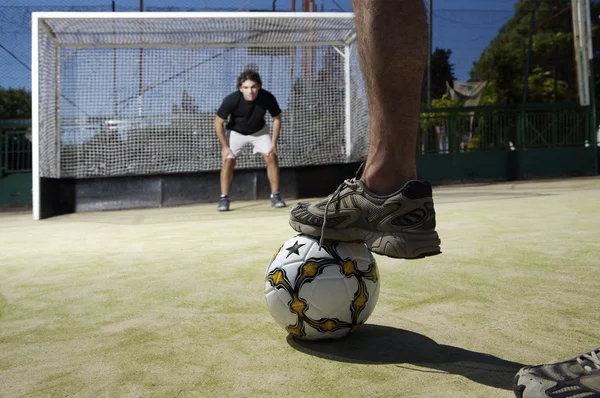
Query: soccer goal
{"x": 134, "y": 94}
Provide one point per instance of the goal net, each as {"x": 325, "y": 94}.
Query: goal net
{"x": 136, "y": 93}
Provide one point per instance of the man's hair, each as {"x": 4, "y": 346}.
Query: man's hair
{"x": 249, "y": 74}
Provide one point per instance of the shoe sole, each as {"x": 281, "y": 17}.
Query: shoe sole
{"x": 518, "y": 389}
{"x": 278, "y": 206}
{"x": 406, "y": 245}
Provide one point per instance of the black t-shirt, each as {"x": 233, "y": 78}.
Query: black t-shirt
{"x": 248, "y": 117}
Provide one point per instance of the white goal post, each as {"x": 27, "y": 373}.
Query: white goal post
{"x": 584, "y": 53}
{"x": 133, "y": 94}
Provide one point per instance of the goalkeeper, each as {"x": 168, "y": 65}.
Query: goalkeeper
{"x": 246, "y": 108}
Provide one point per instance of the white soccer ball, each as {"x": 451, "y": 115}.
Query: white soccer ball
{"x": 321, "y": 293}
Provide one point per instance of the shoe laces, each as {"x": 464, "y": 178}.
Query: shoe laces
{"x": 590, "y": 360}
{"x": 337, "y": 207}
{"x": 337, "y": 204}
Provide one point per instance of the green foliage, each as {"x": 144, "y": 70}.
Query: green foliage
{"x": 545, "y": 86}
{"x": 15, "y": 103}
{"x": 490, "y": 94}
{"x": 445, "y": 102}
{"x": 551, "y": 76}
{"x": 430, "y": 119}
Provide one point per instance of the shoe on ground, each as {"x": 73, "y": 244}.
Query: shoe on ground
{"x": 276, "y": 200}
{"x": 400, "y": 225}
{"x": 578, "y": 377}
{"x": 223, "y": 204}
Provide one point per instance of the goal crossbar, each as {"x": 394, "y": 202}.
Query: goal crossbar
{"x": 211, "y": 45}
{"x": 198, "y": 29}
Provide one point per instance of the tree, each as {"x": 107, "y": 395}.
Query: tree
{"x": 188, "y": 106}
{"x": 15, "y": 103}
{"x": 551, "y": 75}
{"x": 442, "y": 71}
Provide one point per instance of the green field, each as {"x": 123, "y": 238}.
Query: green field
{"x": 169, "y": 302}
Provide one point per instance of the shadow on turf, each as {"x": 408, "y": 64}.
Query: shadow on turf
{"x": 375, "y": 344}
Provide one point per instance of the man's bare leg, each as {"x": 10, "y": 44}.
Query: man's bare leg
{"x": 392, "y": 43}
{"x": 273, "y": 176}
{"x": 393, "y": 215}
{"x": 226, "y": 179}
{"x": 272, "y": 171}
{"x": 227, "y": 175}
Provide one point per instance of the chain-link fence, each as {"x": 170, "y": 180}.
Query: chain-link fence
{"x": 487, "y": 41}
{"x": 495, "y": 36}
{"x": 465, "y": 33}
{"x": 520, "y": 50}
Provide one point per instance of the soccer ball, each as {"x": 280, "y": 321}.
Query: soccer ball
{"x": 321, "y": 293}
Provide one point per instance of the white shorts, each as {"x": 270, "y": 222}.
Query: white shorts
{"x": 260, "y": 141}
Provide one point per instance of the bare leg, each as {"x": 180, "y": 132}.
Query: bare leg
{"x": 272, "y": 171}
{"x": 227, "y": 175}
{"x": 392, "y": 40}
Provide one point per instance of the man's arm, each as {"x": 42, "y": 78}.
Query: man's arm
{"x": 276, "y": 131}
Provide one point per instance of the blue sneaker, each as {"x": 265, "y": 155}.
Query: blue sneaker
{"x": 223, "y": 204}
{"x": 276, "y": 200}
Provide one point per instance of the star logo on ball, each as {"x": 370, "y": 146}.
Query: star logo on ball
{"x": 294, "y": 249}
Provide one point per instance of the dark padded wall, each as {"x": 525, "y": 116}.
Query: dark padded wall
{"x": 61, "y": 196}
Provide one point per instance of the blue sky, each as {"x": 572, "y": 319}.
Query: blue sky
{"x": 464, "y": 26}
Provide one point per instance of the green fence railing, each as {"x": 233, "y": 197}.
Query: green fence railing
{"x": 442, "y": 130}
{"x": 15, "y": 146}
{"x": 484, "y": 128}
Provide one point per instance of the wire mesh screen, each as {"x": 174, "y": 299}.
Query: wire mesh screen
{"x": 149, "y": 110}
{"x": 359, "y": 110}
